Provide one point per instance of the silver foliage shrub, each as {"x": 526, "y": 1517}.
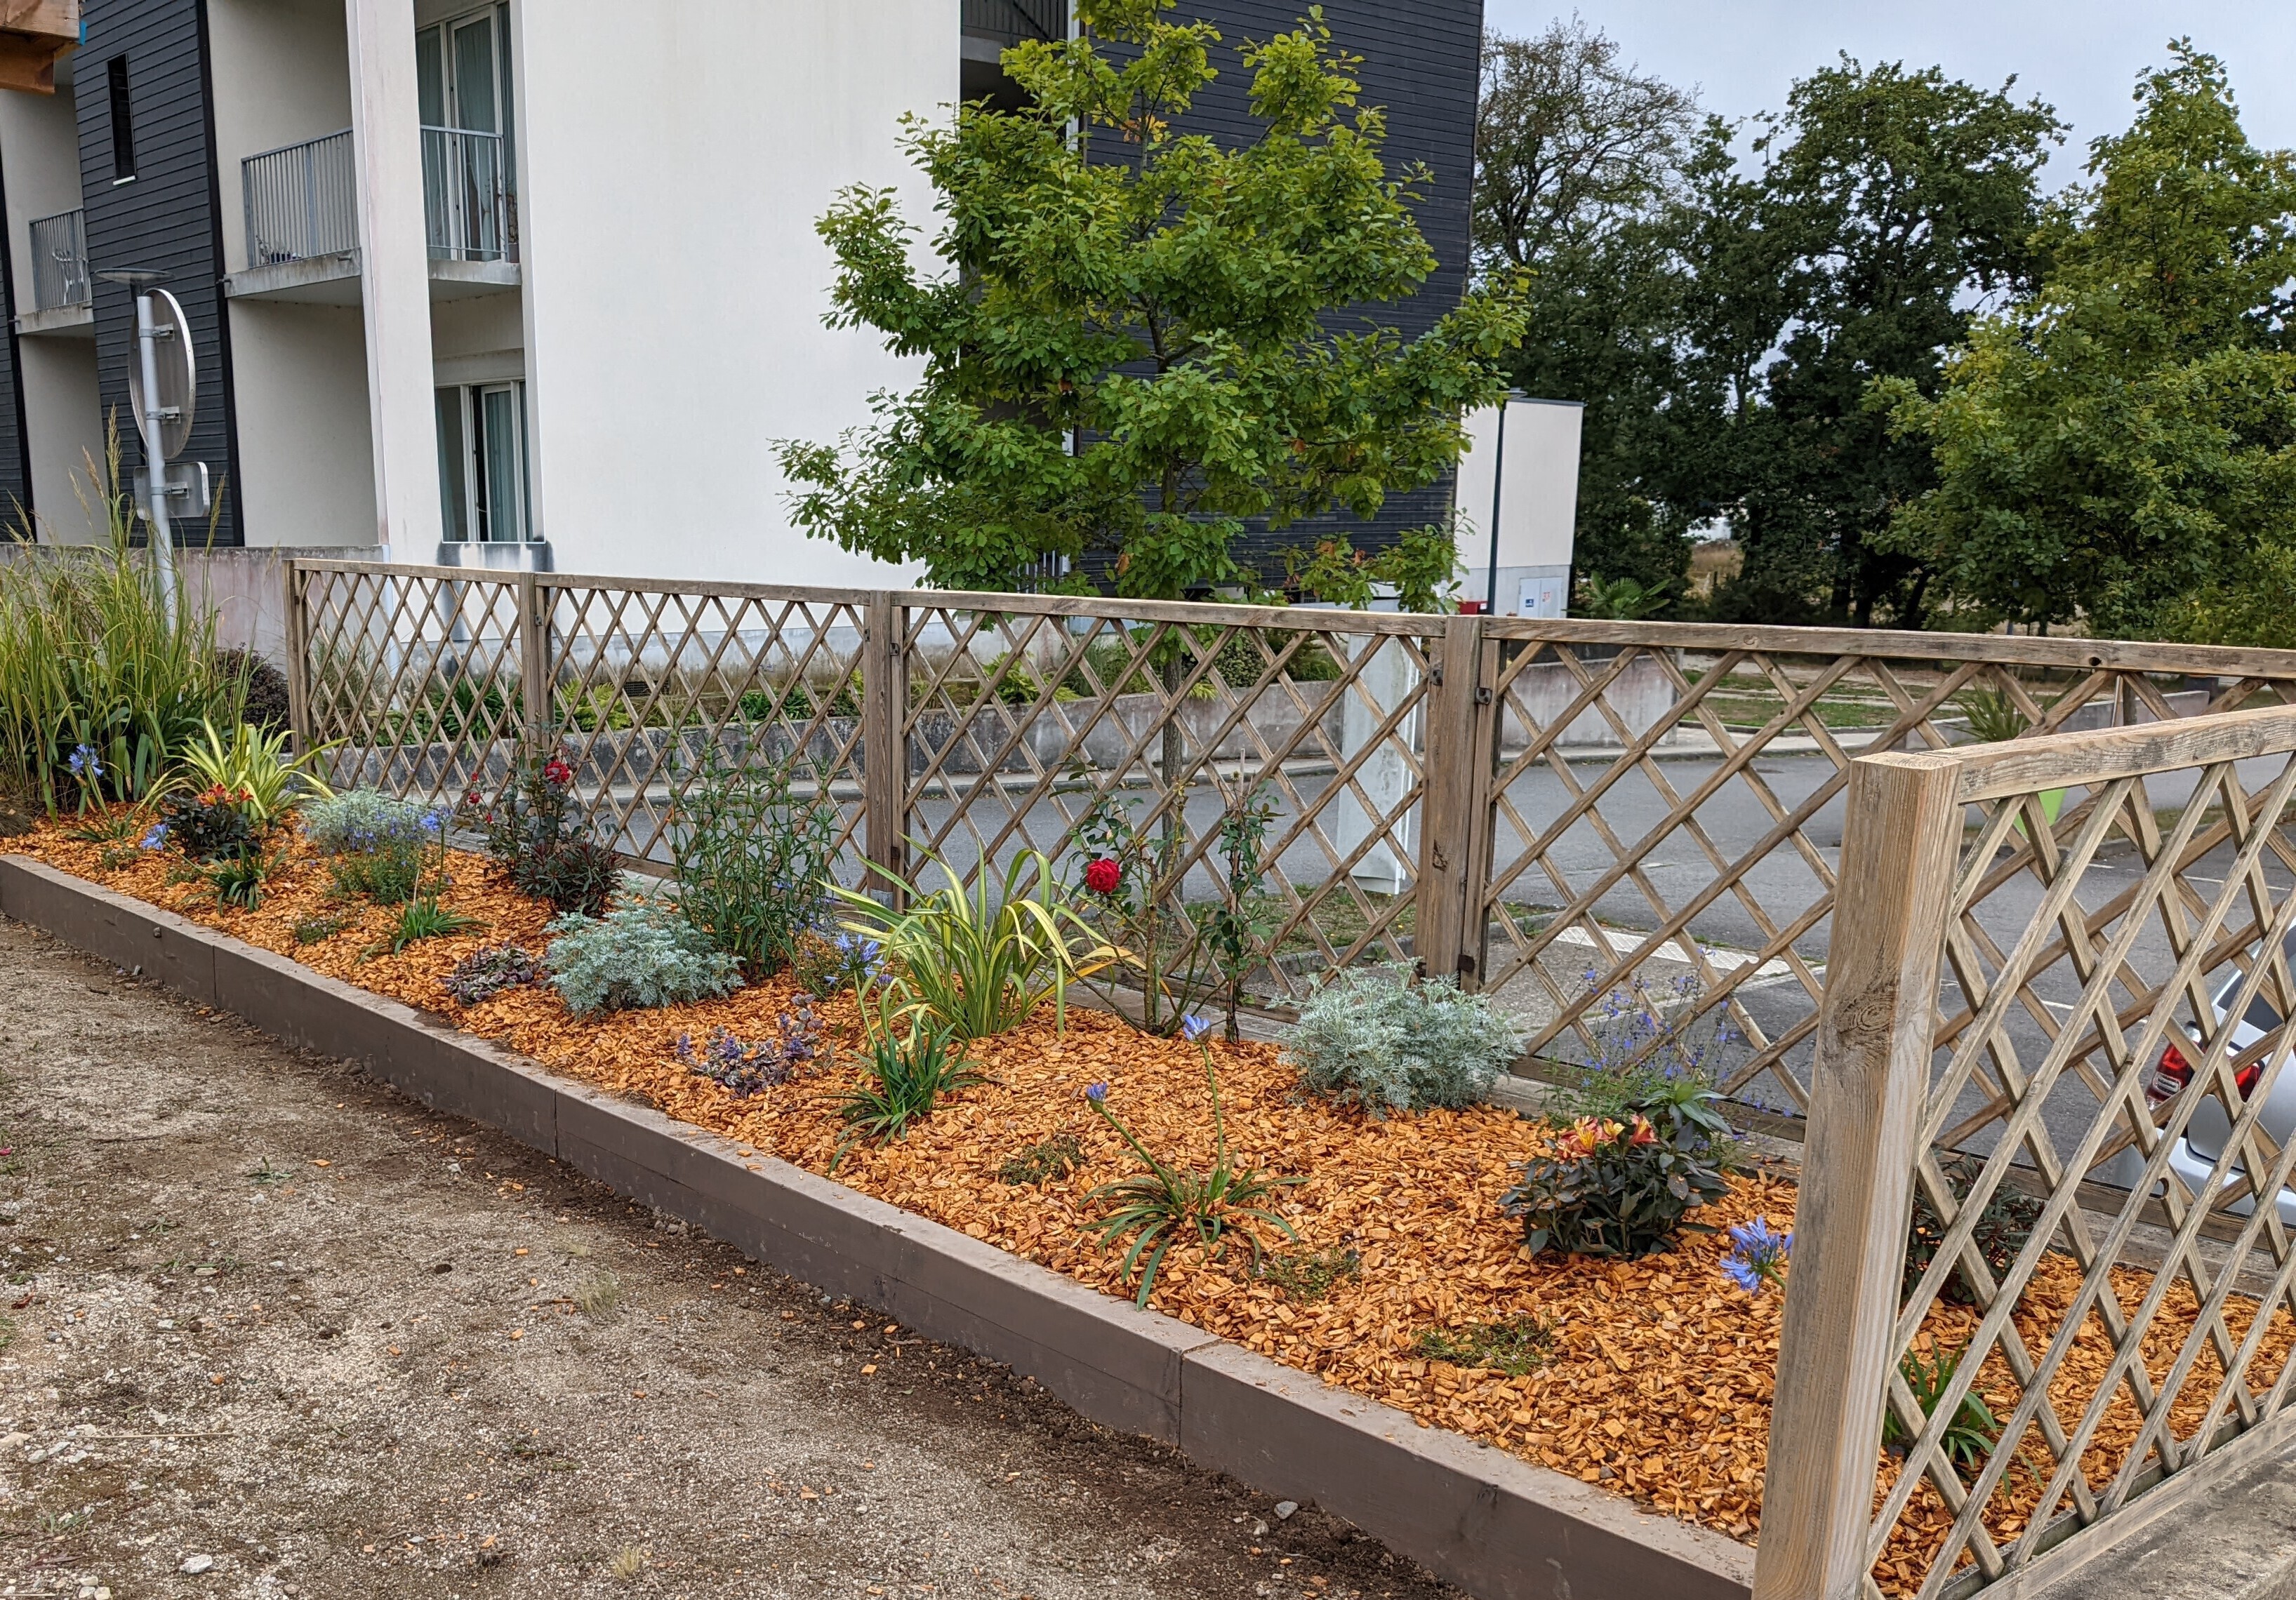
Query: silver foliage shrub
{"x": 353, "y": 822}
{"x": 1371, "y": 1036}
{"x": 636, "y": 958}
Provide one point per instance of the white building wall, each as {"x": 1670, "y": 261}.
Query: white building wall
{"x": 39, "y": 135}
{"x": 281, "y": 76}
{"x": 670, "y": 174}
{"x": 63, "y": 418}
{"x": 305, "y": 446}
{"x": 63, "y": 421}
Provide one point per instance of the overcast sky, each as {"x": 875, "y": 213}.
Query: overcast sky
{"x": 2081, "y": 56}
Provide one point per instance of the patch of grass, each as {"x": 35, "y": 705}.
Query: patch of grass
{"x": 627, "y": 1564}
{"x": 266, "y": 1173}
{"x": 597, "y": 1298}
{"x": 319, "y": 929}
{"x": 1306, "y": 1275}
{"x": 1518, "y": 1345}
{"x": 7, "y": 1331}
{"x": 1055, "y": 1157}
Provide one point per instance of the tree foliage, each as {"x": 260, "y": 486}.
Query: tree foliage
{"x": 2122, "y": 445}
{"x": 1719, "y": 296}
{"x": 1131, "y": 333}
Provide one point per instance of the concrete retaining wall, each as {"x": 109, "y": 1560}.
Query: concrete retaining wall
{"x": 1495, "y": 1525}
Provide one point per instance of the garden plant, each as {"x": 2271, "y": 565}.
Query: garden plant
{"x": 752, "y": 849}
{"x": 1376, "y": 1037}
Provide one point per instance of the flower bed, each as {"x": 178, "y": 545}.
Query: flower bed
{"x": 1650, "y": 1378}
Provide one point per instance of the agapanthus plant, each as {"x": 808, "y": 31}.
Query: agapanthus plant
{"x": 1168, "y": 1204}
{"x": 1758, "y": 1256}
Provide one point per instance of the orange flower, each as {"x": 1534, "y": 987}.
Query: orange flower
{"x": 1645, "y": 1134}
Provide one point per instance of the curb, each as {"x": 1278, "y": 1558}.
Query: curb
{"x": 1492, "y": 1524}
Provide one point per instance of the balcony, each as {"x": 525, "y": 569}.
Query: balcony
{"x": 1007, "y": 22}
{"x": 64, "y": 295}
{"x": 302, "y": 201}
{"x": 469, "y": 211}
{"x": 987, "y": 29}
{"x": 301, "y": 204}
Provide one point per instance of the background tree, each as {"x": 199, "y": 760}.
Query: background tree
{"x": 1578, "y": 163}
{"x": 1904, "y": 200}
{"x": 1131, "y": 353}
{"x": 1720, "y": 314}
{"x": 2122, "y": 445}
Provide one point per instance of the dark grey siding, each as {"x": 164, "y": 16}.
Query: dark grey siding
{"x": 165, "y": 219}
{"x": 15, "y": 449}
{"x": 1420, "y": 64}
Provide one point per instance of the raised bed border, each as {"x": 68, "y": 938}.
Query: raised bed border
{"x": 1497, "y": 1526}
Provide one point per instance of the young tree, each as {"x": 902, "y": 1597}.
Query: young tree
{"x": 2123, "y": 446}
{"x": 1136, "y": 339}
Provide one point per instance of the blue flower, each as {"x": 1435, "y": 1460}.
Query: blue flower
{"x": 84, "y": 762}
{"x": 155, "y": 838}
{"x": 1759, "y": 1255}
{"x": 1097, "y": 1093}
{"x": 1194, "y": 1027}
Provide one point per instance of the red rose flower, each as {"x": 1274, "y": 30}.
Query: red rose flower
{"x": 555, "y": 770}
{"x": 1103, "y": 876}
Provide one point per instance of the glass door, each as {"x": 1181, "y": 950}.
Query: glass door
{"x": 463, "y": 95}
{"x": 499, "y": 414}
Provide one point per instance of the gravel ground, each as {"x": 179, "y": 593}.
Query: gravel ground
{"x": 271, "y": 1330}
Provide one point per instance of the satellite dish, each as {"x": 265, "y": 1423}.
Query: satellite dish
{"x": 178, "y": 376}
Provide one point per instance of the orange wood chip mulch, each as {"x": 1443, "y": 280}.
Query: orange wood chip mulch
{"x": 1658, "y": 1380}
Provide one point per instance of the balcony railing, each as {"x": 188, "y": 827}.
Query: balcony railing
{"x": 469, "y": 207}
{"x": 59, "y": 262}
{"x": 1009, "y": 22}
{"x": 302, "y": 201}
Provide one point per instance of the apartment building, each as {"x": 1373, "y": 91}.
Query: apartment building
{"x": 533, "y": 282}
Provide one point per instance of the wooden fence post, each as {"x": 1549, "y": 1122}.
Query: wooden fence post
{"x": 298, "y": 658}
{"x": 1902, "y": 835}
{"x": 1455, "y": 814}
{"x": 885, "y": 747}
{"x": 534, "y": 684}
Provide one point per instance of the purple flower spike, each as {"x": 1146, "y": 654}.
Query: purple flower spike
{"x": 1097, "y": 1093}
{"x": 1193, "y": 1027}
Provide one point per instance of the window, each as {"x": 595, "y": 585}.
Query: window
{"x": 462, "y": 99}
{"x": 482, "y": 471}
{"x": 123, "y": 122}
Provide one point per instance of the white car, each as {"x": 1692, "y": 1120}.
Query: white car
{"x": 2192, "y": 1157}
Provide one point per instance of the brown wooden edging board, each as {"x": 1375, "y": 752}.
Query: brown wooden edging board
{"x": 1495, "y": 1525}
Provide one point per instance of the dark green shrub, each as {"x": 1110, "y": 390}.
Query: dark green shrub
{"x": 265, "y": 706}
{"x": 1624, "y": 1187}
{"x": 751, "y": 854}
{"x": 2003, "y": 1227}
{"x": 540, "y": 838}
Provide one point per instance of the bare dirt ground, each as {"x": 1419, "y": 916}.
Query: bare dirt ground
{"x": 269, "y": 1329}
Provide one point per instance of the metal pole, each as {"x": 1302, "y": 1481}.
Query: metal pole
{"x": 1499, "y": 481}
{"x": 155, "y": 464}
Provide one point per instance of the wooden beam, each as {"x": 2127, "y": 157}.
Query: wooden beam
{"x": 53, "y": 19}
{"x": 1868, "y": 1079}
{"x": 29, "y": 65}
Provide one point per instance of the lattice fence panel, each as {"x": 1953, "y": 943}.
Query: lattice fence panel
{"x": 1070, "y": 728}
{"x": 2055, "y": 1036}
{"x": 1667, "y": 812}
{"x": 414, "y": 677}
{"x": 648, "y": 680}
